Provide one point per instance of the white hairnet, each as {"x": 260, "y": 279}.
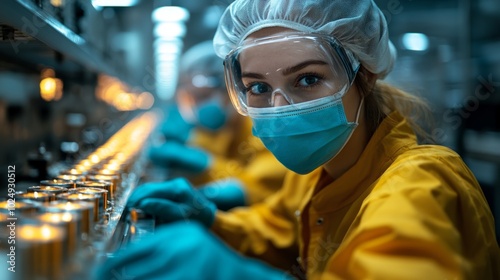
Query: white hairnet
{"x": 201, "y": 58}
{"x": 358, "y": 24}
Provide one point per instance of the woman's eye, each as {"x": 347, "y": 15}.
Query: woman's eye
{"x": 307, "y": 81}
{"x": 258, "y": 88}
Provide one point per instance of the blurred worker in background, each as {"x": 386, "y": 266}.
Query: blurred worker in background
{"x": 364, "y": 200}
{"x": 209, "y": 143}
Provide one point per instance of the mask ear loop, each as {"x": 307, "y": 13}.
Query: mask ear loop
{"x": 359, "y": 110}
{"x": 356, "y": 125}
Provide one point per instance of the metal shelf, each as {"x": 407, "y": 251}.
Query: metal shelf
{"x": 28, "y": 18}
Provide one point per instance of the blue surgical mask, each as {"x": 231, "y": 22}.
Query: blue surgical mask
{"x": 306, "y": 135}
{"x": 211, "y": 114}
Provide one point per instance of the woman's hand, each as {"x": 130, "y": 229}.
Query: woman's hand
{"x": 183, "y": 250}
{"x": 172, "y": 201}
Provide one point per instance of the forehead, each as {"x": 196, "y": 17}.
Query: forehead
{"x": 278, "y": 53}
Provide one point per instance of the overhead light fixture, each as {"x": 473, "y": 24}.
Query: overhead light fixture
{"x": 415, "y": 41}
{"x": 169, "y": 30}
{"x": 166, "y": 57}
{"x": 170, "y": 13}
{"x": 114, "y": 3}
{"x": 168, "y": 45}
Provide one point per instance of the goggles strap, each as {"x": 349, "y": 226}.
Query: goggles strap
{"x": 350, "y": 64}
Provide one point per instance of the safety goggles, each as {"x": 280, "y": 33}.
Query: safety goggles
{"x": 198, "y": 89}
{"x": 288, "y": 69}
{"x": 202, "y": 86}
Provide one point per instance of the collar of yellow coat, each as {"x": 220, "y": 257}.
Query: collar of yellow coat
{"x": 393, "y": 136}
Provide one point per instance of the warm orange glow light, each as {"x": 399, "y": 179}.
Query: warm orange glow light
{"x": 51, "y": 89}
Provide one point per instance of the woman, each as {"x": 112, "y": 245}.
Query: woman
{"x": 364, "y": 200}
{"x": 207, "y": 142}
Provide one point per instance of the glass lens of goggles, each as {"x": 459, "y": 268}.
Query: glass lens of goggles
{"x": 202, "y": 87}
{"x": 198, "y": 88}
{"x": 294, "y": 68}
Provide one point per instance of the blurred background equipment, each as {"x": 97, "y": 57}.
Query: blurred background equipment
{"x": 74, "y": 72}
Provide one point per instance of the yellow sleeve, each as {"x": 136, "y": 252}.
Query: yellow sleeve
{"x": 415, "y": 243}
{"x": 267, "y": 230}
{"x": 259, "y": 233}
{"x": 423, "y": 220}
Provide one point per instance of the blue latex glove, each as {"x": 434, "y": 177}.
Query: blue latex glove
{"x": 226, "y": 194}
{"x": 175, "y": 127}
{"x": 172, "y": 201}
{"x": 184, "y": 250}
{"x": 179, "y": 156}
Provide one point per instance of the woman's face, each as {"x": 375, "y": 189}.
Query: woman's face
{"x": 194, "y": 96}
{"x": 290, "y": 72}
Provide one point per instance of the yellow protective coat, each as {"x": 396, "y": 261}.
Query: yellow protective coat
{"x": 404, "y": 211}
{"x": 236, "y": 153}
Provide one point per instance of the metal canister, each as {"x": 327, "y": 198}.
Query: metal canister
{"x": 39, "y": 250}
{"x": 112, "y": 179}
{"x": 101, "y": 192}
{"x": 81, "y": 197}
{"x": 70, "y": 177}
{"x": 13, "y": 207}
{"x": 72, "y": 223}
{"x": 35, "y": 196}
{"x": 59, "y": 182}
{"x": 83, "y": 208}
{"x": 141, "y": 224}
{"x": 52, "y": 190}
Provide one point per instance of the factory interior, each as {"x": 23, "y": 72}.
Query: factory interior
{"x": 87, "y": 82}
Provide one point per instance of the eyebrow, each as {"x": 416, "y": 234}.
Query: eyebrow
{"x": 287, "y": 71}
{"x": 302, "y": 65}
{"x": 252, "y": 75}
